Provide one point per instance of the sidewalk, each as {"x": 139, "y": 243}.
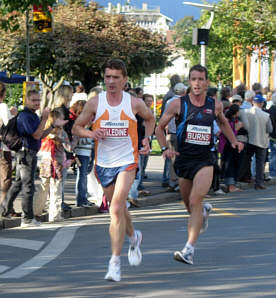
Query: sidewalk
{"x": 153, "y": 184}
{"x": 159, "y": 195}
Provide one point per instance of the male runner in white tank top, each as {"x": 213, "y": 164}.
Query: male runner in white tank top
{"x": 116, "y": 155}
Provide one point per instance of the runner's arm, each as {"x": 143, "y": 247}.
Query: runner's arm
{"x": 226, "y": 128}
{"x": 87, "y": 115}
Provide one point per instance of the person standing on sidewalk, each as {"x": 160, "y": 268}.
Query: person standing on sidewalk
{"x": 33, "y": 130}
{"x": 194, "y": 163}
{"x": 116, "y": 155}
{"x": 5, "y": 153}
{"x": 259, "y": 126}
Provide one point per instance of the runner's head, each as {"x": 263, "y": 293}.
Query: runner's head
{"x": 199, "y": 68}
{"x": 117, "y": 64}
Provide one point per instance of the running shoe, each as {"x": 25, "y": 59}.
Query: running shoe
{"x": 208, "y": 208}
{"x": 134, "y": 252}
{"x": 114, "y": 272}
{"x": 185, "y": 256}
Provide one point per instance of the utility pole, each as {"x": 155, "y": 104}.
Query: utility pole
{"x": 27, "y": 46}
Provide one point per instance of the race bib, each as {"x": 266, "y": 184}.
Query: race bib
{"x": 200, "y": 135}
{"x": 115, "y": 129}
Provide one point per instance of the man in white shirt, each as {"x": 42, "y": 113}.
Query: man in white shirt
{"x": 259, "y": 126}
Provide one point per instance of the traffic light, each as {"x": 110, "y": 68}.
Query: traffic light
{"x": 200, "y": 36}
{"x": 42, "y": 20}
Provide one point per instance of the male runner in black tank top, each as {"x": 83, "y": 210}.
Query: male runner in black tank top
{"x": 194, "y": 163}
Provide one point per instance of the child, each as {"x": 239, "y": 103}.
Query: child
{"x": 53, "y": 161}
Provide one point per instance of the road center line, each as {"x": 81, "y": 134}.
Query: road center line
{"x": 59, "y": 243}
{"x": 22, "y": 243}
{"x": 222, "y": 212}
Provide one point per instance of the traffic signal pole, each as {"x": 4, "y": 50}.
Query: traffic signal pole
{"x": 27, "y": 46}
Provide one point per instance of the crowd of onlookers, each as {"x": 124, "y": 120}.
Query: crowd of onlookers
{"x": 251, "y": 115}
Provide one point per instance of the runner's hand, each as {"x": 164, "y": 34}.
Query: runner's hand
{"x": 169, "y": 153}
{"x": 97, "y": 134}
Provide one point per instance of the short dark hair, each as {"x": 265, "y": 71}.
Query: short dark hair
{"x": 116, "y": 64}
{"x": 233, "y": 109}
{"x": 212, "y": 91}
{"x": 175, "y": 79}
{"x": 199, "y": 68}
{"x": 225, "y": 92}
{"x": 147, "y": 95}
{"x": 31, "y": 93}
{"x": 2, "y": 89}
{"x": 257, "y": 87}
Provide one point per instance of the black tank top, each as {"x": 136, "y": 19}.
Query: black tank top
{"x": 195, "y": 136}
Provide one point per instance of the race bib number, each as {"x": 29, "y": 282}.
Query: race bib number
{"x": 115, "y": 129}
{"x": 200, "y": 135}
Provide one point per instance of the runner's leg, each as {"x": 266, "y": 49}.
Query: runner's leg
{"x": 201, "y": 185}
{"x": 119, "y": 220}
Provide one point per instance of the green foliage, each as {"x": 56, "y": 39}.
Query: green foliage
{"x": 83, "y": 39}
{"x": 155, "y": 148}
{"x": 13, "y": 96}
{"x": 243, "y": 23}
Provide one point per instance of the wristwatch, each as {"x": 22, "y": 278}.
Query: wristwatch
{"x": 164, "y": 148}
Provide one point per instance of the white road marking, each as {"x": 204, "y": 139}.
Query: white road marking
{"x": 3, "y": 268}
{"x": 59, "y": 243}
{"x": 22, "y": 243}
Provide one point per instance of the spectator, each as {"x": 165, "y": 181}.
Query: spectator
{"x": 272, "y": 142}
{"x": 63, "y": 98}
{"x": 148, "y": 99}
{"x": 85, "y": 158}
{"x": 259, "y": 126}
{"x": 225, "y": 98}
{"x": 236, "y": 99}
{"x": 139, "y": 92}
{"x": 5, "y": 153}
{"x": 230, "y": 155}
{"x": 33, "y": 131}
{"x": 179, "y": 90}
{"x": 245, "y": 168}
{"x": 51, "y": 166}
{"x": 248, "y": 99}
{"x": 78, "y": 95}
{"x": 173, "y": 81}
{"x": 212, "y": 92}
{"x": 94, "y": 91}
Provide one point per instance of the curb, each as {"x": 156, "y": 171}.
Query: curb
{"x": 88, "y": 211}
{"x": 145, "y": 201}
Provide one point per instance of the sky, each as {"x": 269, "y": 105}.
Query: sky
{"x": 173, "y": 9}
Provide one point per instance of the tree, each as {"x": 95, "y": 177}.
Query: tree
{"x": 83, "y": 39}
{"x": 246, "y": 24}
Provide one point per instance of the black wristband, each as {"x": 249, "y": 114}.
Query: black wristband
{"x": 53, "y": 127}
{"x": 164, "y": 148}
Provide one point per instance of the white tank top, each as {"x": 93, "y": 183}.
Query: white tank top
{"x": 120, "y": 145}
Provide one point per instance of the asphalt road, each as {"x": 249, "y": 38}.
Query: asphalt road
{"x": 235, "y": 257}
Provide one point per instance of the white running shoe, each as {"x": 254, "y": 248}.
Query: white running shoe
{"x": 134, "y": 252}
{"x": 185, "y": 256}
{"x": 26, "y": 223}
{"x": 114, "y": 272}
{"x": 208, "y": 208}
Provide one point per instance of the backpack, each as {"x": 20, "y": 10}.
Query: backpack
{"x": 10, "y": 136}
